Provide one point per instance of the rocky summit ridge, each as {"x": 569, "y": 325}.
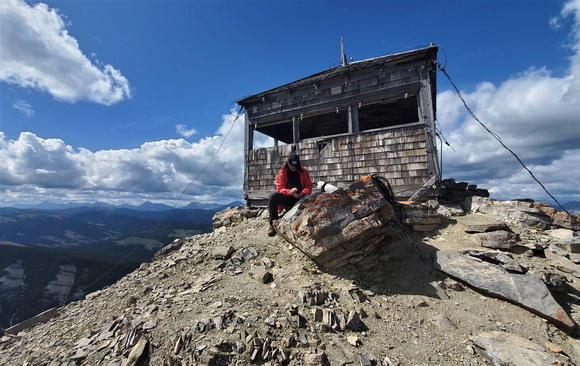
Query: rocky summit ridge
{"x": 238, "y": 297}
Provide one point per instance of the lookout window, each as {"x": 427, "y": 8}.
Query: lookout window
{"x": 388, "y": 113}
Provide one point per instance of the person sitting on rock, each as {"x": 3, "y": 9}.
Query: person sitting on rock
{"x": 292, "y": 183}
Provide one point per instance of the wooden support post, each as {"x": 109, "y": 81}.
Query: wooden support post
{"x": 248, "y": 135}
{"x": 427, "y": 116}
{"x": 353, "y": 126}
{"x": 248, "y": 146}
{"x": 296, "y": 129}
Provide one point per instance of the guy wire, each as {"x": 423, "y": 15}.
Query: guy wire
{"x": 168, "y": 213}
{"x": 497, "y": 137}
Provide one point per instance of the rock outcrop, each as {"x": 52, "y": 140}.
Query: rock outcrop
{"x": 526, "y": 213}
{"x": 338, "y": 227}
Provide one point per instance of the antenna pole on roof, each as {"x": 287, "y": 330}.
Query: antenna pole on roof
{"x": 342, "y": 55}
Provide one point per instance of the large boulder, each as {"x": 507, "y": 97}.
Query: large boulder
{"x": 338, "y": 227}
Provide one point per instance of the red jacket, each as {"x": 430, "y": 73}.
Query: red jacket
{"x": 282, "y": 181}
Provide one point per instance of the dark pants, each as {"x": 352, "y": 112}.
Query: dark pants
{"x": 281, "y": 199}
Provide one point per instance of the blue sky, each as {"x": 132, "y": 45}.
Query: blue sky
{"x": 126, "y": 101}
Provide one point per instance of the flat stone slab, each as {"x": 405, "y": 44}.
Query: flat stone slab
{"x": 508, "y": 349}
{"x": 564, "y": 234}
{"x": 498, "y": 239}
{"x": 526, "y": 290}
{"x": 559, "y": 259}
{"x": 478, "y": 223}
{"x": 333, "y": 227}
{"x": 571, "y": 245}
{"x": 506, "y": 260}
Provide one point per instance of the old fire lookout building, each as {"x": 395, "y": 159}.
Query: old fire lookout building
{"x": 375, "y": 116}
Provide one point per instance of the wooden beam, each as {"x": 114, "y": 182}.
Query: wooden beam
{"x": 427, "y": 115}
{"x": 296, "y": 129}
{"x": 248, "y": 146}
{"x": 426, "y": 187}
{"x": 353, "y": 126}
{"x": 248, "y": 134}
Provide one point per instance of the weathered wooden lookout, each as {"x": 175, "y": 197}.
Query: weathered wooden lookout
{"x": 375, "y": 116}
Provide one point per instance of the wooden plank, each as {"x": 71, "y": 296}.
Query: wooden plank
{"x": 40, "y": 318}
{"x": 336, "y": 90}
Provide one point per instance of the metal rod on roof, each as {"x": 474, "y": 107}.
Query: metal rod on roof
{"x": 342, "y": 55}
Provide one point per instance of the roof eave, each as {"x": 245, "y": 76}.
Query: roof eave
{"x": 356, "y": 65}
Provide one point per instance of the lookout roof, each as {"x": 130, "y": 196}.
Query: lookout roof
{"x": 397, "y": 58}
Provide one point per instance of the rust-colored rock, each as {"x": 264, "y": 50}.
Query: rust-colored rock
{"x": 333, "y": 227}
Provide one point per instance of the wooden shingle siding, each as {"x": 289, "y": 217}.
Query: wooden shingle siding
{"x": 398, "y": 155}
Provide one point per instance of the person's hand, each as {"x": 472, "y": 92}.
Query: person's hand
{"x": 294, "y": 193}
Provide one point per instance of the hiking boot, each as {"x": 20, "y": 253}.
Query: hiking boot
{"x": 271, "y": 231}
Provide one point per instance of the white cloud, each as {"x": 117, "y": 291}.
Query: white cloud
{"x": 40, "y": 169}
{"x": 160, "y": 167}
{"x": 23, "y": 107}
{"x": 559, "y": 176}
{"x": 535, "y": 114}
{"x": 46, "y": 163}
{"x": 184, "y": 131}
{"x": 37, "y": 52}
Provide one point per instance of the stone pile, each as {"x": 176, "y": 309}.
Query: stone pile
{"x": 452, "y": 191}
{"x": 488, "y": 231}
{"x": 421, "y": 216}
{"x": 233, "y": 216}
{"x": 496, "y": 272}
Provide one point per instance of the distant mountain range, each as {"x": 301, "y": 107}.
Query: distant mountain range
{"x": 51, "y": 252}
{"x": 104, "y": 228}
{"x": 572, "y": 207}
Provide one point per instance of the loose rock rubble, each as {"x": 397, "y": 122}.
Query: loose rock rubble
{"x": 239, "y": 297}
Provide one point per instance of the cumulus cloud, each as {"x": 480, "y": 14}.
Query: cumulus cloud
{"x": 560, "y": 176}
{"x": 213, "y": 166}
{"x": 38, "y": 52}
{"x": 209, "y": 170}
{"x": 23, "y": 107}
{"x": 184, "y": 131}
{"x": 46, "y": 163}
{"x": 535, "y": 113}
